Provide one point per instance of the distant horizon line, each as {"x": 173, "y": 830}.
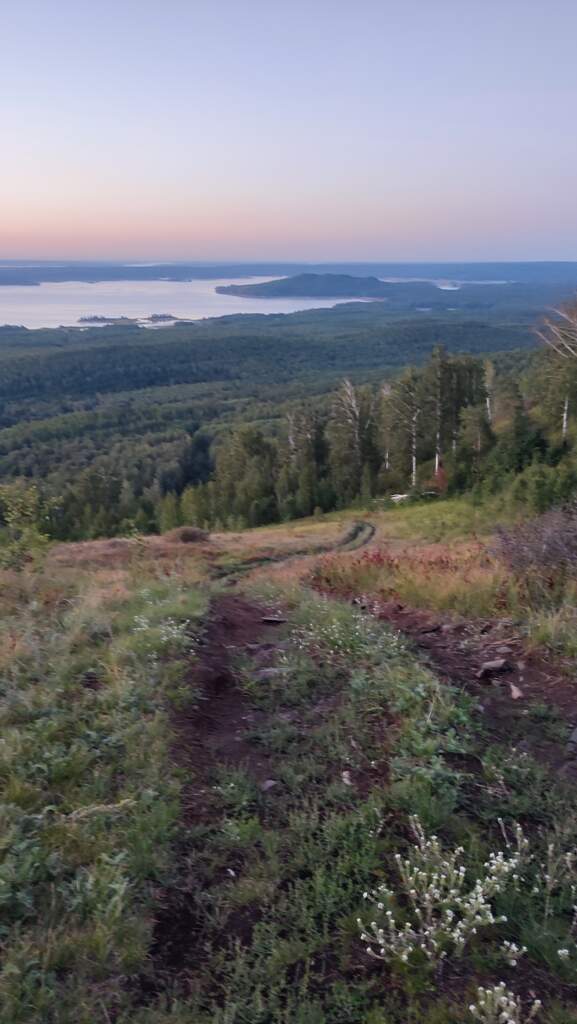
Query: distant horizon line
{"x": 152, "y": 261}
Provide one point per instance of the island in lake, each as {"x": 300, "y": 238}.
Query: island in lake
{"x": 306, "y": 286}
{"x": 154, "y": 318}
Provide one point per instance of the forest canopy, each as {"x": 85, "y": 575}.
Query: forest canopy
{"x": 253, "y": 419}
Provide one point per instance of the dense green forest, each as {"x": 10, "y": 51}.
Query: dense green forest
{"x": 414, "y": 295}
{"x": 109, "y": 421}
{"x": 249, "y": 420}
{"x": 457, "y": 424}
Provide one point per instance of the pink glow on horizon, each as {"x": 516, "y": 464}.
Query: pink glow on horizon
{"x": 382, "y": 131}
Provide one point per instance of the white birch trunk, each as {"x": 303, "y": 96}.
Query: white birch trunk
{"x": 414, "y": 450}
{"x": 565, "y": 418}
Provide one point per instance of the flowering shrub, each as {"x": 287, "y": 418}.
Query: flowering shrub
{"x": 168, "y": 634}
{"x": 444, "y": 912}
{"x": 499, "y": 1006}
{"x": 348, "y": 635}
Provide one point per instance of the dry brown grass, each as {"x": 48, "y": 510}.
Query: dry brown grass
{"x": 123, "y": 552}
{"x": 266, "y": 541}
{"x": 462, "y": 577}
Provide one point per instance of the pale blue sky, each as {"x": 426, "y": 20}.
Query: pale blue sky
{"x": 306, "y": 130}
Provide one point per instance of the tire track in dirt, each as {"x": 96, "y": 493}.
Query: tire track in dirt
{"x": 210, "y": 734}
{"x": 360, "y": 533}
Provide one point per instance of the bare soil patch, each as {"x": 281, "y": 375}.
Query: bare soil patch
{"x": 209, "y": 735}
{"x": 214, "y": 731}
{"x": 489, "y": 659}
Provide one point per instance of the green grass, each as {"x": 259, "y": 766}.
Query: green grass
{"x": 443, "y": 519}
{"x": 556, "y": 630}
{"x": 89, "y": 797}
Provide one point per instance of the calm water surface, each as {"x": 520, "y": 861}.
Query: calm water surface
{"x": 53, "y": 305}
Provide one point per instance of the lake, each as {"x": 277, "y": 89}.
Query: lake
{"x": 65, "y": 302}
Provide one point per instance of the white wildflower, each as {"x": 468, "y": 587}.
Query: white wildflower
{"x": 497, "y": 1005}
{"x": 446, "y": 914}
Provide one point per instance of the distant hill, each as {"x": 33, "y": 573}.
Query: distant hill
{"x": 33, "y": 272}
{"x": 301, "y": 286}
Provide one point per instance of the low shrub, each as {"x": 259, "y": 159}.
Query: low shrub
{"x": 187, "y": 535}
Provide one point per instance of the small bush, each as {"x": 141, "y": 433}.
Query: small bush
{"x": 187, "y": 535}
{"x": 541, "y": 554}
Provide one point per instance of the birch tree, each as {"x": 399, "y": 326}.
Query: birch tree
{"x": 352, "y": 430}
{"x": 407, "y": 403}
{"x": 437, "y": 381}
{"x": 490, "y": 376}
{"x": 559, "y": 332}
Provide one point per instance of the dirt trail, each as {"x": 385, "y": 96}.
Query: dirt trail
{"x": 359, "y": 534}
{"x": 515, "y": 701}
{"x": 215, "y": 732}
{"x": 210, "y": 735}
{"x": 531, "y": 702}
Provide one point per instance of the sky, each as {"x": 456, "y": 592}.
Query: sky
{"x": 306, "y": 130}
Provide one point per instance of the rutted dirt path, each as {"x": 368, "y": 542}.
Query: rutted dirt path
{"x": 214, "y": 732}
{"x": 210, "y": 735}
{"x": 359, "y": 534}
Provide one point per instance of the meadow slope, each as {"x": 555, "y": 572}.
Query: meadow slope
{"x": 223, "y": 760}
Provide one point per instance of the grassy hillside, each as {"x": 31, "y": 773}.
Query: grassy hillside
{"x": 211, "y": 762}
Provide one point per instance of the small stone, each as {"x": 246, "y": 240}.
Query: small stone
{"x": 346, "y": 777}
{"x": 268, "y": 784}
{"x": 490, "y": 668}
{"x": 270, "y": 673}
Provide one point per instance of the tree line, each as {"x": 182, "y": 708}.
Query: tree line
{"x": 453, "y": 425}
